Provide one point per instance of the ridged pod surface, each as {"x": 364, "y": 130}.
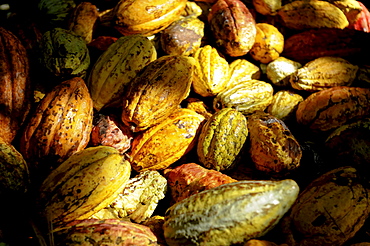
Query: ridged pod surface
{"x": 157, "y": 91}
{"x": 312, "y": 14}
{"x": 14, "y": 173}
{"x": 117, "y": 67}
{"x": 15, "y": 93}
{"x": 330, "y": 210}
{"x": 105, "y": 232}
{"x": 212, "y": 72}
{"x": 146, "y": 17}
{"x": 82, "y": 185}
{"x": 246, "y": 97}
{"x": 60, "y": 125}
{"x": 64, "y": 54}
{"x": 222, "y": 139}
{"x": 324, "y": 72}
{"x": 230, "y": 213}
{"x": 328, "y": 109}
{"x": 163, "y": 144}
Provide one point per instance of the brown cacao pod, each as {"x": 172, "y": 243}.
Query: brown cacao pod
{"x": 221, "y": 139}
{"x": 15, "y": 93}
{"x": 163, "y": 144}
{"x": 273, "y": 148}
{"x": 328, "y": 109}
{"x": 191, "y": 178}
{"x": 85, "y": 183}
{"x": 233, "y": 27}
{"x": 310, "y": 44}
{"x": 330, "y": 210}
{"x": 157, "y": 91}
{"x": 146, "y": 17}
{"x": 230, "y": 213}
{"x": 60, "y": 125}
{"x": 105, "y": 232}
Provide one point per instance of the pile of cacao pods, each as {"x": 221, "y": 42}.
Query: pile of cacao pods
{"x": 185, "y": 122}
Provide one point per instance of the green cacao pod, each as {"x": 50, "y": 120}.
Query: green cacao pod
{"x": 55, "y": 12}
{"x": 15, "y": 93}
{"x": 85, "y": 183}
{"x": 116, "y": 67}
{"x": 246, "y": 97}
{"x": 230, "y": 213}
{"x": 14, "y": 174}
{"x": 222, "y": 139}
{"x": 157, "y": 91}
{"x": 64, "y": 53}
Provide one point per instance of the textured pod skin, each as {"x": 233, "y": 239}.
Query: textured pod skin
{"x": 108, "y": 130}
{"x": 279, "y": 70}
{"x": 310, "y": 44}
{"x": 191, "y": 178}
{"x": 301, "y": 15}
{"x": 182, "y": 37}
{"x": 351, "y": 8}
{"x": 267, "y": 7}
{"x": 350, "y": 143}
{"x": 157, "y": 91}
{"x": 14, "y": 173}
{"x": 273, "y": 148}
{"x": 324, "y": 72}
{"x": 211, "y": 72}
{"x": 241, "y": 70}
{"x": 146, "y": 17}
{"x": 284, "y": 104}
{"x": 246, "y": 97}
{"x": 232, "y": 26}
{"x": 55, "y": 12}
{"x": 222, "y": 139}
{"x": 163, "y": 144}
{"x": 268, "y": 45}
{"x": 138, "y": 199}
{"x": 64, "y": 53}
{"x": 82, "y": 20}
{"x": 328, "y": 109}
{"x": 15, "y": 93}
{"x": 104, "y": 232}
{"x": 82, "y": 185}
{"x": 330, "y": 210}
{"x": 60, "y": 126}
{"x": 363, "y": 22}
{"x": 230, "y": 213}
{"x": 117, "y": 67}
{"x": 198, "y": 106}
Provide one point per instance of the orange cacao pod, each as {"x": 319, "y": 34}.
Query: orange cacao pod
{"x": 60, "y": 126}
{"x": 15, "y": 93}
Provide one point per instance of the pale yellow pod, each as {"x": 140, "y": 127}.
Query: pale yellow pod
{"x": 242, "y": 70}
{"x": 267, "y": 7}
{"x": 279, "y": 70}
{"x": 211, "y": 72}
{"x": 284, "y": 104}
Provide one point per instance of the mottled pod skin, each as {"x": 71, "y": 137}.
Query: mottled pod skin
{"x": 85, "y": 183}
{"x": 191, "y": 178}
{"x": 146, "y": 17}
{"x": 163, "y": 144}
{"x": 105, "y": 232}
{"x": 15, "y": 93}
{"x": 157, "y": 91}
{"x": 330, "y": 210}
{"x": 116, "y": 67}
{"x": 233, "y": 27}
{"x": 324, "y": 72}
{"x": 273, "y": 148}
{"x": 328, "y": 109}
{"x": 60, "y": 125}
{"x": 230, "y": 213}
{"x": 222, "y": 139}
